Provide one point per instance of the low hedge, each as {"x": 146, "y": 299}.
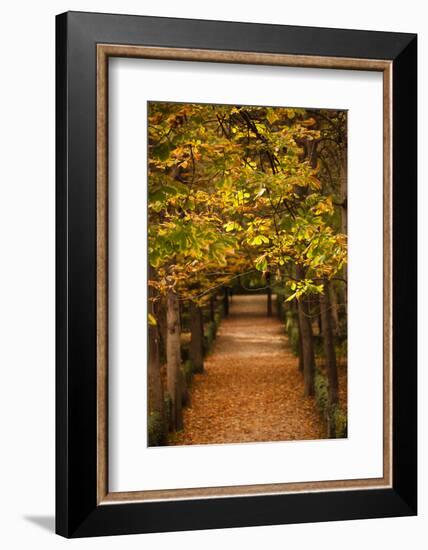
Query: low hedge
{"x": 337, "y": 414}
{"x": 280, "y": 305}
{"x": 157, "y": 430}
{"x": 210, "y": 333}
{"x": 321, "y": 390}
{"x": 292, "y": 330}
{"x": 188, "y": 371}
{"x": 341, "y": 422}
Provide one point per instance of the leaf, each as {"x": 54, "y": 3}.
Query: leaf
{"x": 161, "y": 151}
{"x": 230, "y": 226}
{"x": 271, "y": 116}
{"x": 308, "y": 122}
{"x": 261, "y": 263}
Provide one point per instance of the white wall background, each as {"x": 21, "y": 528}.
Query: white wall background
{"x": 27, "y": 273}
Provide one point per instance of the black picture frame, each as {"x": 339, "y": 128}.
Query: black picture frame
{"x": 77, "y": 511}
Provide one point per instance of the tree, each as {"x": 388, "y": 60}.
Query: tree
{"x": 237, "y": 189}
{"x": 173, "y": 355}
{"x": 156, "y": 397}
{"x": 330, "y": 358}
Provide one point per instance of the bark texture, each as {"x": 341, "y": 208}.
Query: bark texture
{"x": 308, "y": 353}
{"x": 300, "y": 342}
{"x": 330, "y": 357}
{"x": 156, "y": 399}
{"x": 334, "y": 310}
{"x": 173, "y": 356}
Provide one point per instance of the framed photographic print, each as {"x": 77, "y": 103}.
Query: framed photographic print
{"x": 236, "y": 274}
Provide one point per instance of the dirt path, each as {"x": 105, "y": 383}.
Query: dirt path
{"x": 251, "y": 389}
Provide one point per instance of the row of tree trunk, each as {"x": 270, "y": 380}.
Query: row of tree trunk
{"x": 165, "y": 347}
{"x": 328, "y": 310}
{"x": 328, "y": 322}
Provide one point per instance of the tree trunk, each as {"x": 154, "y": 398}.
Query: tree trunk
{"x": 155, "y": 385}
{"x": 269, "y": 295}
{"x": 160, "y": 314}
{"x": 307, "y": 340}
{"x": 319, "y": 318}
{"x": 197, "y": 337}
{"x": 226, "y": 301}
{"x": 173, "y": 356}
{"x": 300, "y": 341}
{"x": 334, "y": 311}
{"x": 155, "y": 397}
{"x": 330, "y": 358}
{"x": 212, "y": 308}
{"x": 307, "y": 347}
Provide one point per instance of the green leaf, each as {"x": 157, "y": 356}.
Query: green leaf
{"x": 161, "y": 151}
{"x": 230, "y": 226}
{"x": 261, "y": 263}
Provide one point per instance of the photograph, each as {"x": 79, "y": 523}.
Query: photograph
{"x": 247, "y": 273}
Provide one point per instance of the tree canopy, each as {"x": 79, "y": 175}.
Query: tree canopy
{"x": 235, "y": 189}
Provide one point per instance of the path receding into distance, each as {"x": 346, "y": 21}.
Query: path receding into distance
{"x": 251, "y": 389}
